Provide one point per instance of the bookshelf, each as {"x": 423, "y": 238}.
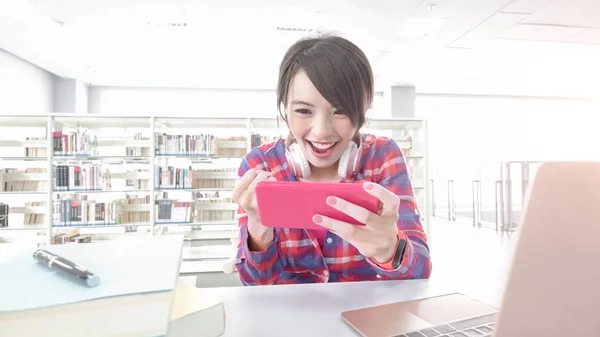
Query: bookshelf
{"x": 80, "y": 178}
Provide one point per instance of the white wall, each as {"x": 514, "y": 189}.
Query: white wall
{"x": 64, "y": 95}
{"x": 24, "y": 87}
{"x": 70, "y": 95}
{"x": 185, "y": 102}
{"x": 470, "y": 135}
{"x": 81, "y": 97}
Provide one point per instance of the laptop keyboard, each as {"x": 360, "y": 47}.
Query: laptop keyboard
{"x": 480, "y": 326}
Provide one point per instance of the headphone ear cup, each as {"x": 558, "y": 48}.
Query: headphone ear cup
{"x": 347, "y": 161}
{"x": 296, "y": 160}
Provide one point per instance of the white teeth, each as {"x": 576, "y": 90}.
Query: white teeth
{"x": 322, "y": 146}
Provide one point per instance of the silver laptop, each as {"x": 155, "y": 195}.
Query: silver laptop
{"x": 553, "y": 288}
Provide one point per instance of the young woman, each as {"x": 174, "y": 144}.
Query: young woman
{"x": 326, "y": 86}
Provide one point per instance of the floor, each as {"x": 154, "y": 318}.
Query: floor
{"x": 466, "y": 255}
{"x": 471, "y": 256}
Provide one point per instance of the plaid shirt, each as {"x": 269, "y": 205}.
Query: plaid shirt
{"x": 295, "y": 256}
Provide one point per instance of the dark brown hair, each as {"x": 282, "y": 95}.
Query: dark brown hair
{"x": 337, "y": 68}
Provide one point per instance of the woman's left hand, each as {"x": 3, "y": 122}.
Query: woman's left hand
{"x": 379, "y": 236}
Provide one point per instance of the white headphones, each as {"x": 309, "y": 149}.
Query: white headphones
{"x": 347, "y": 166}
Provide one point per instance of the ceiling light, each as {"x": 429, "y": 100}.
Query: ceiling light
{"x": 420, "y": 26}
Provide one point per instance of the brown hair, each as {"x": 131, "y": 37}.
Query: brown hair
{"x": 337, "y": 68}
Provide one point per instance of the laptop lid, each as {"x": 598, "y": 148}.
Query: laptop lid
{"x": 553, "y": 287}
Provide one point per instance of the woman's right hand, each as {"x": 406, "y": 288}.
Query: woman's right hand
{"x": 245, "y": 196}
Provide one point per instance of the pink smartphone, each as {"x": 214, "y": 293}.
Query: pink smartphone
{"x": 289, "y": 204}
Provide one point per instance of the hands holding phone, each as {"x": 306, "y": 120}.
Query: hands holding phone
{"x": 378, "y": 238}
{"x": 245, "y": 196}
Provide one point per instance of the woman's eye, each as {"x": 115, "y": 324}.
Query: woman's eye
{"x": 303, "y": 111}
{"x": 339, "y": 113}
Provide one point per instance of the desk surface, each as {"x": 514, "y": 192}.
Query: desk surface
{"x": 314, "y": 309}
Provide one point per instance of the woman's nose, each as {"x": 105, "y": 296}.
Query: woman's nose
{"x": 321, "y": 126}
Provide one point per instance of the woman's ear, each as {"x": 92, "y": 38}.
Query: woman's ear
{"x": 367, "y": 120}
{"x": 289, "y": 139}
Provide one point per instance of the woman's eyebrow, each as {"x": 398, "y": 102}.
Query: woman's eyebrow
{"x": 302, "y": 102}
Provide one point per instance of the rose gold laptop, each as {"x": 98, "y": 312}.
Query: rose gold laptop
{"x": 553, "y": 287}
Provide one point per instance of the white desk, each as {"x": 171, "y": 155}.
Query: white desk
{"x": 314, "y": 309}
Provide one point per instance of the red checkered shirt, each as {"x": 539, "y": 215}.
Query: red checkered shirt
{"x": 295, "y": 256}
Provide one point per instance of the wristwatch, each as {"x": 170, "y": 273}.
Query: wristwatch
{"x": 396, "y": 261}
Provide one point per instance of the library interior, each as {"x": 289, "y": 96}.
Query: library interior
{"x": 142, "y": 142}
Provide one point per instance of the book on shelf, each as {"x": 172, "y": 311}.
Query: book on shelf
{"x": 139, "y": 184}
{"x": 205, "y": 213}
{"x": 75, "y": 177}
{"x": 72, "y": 236}
{"x": 199, "y": 145}
{"x": 170, "y": 177}
{"x": 138, "y": 151}
{"x": 4, "y": 209}
{"x": 16, "y": 180}
{"x": 32, "y": 218}
{"x": 77, "y": 210}
{"x": 94, "y": 177}
{"x": 258, "y": 139}
{"x": 231, "y": 147}
{"x": 67, "y": 142}
{"x": 214, "y": 178}
{"x": 196, "y": 210}
{"x": 173, "y": 211}
{"x": 35, "y": 152}
{"x": 126, "y": 215}
{"x": 190, "y": 145}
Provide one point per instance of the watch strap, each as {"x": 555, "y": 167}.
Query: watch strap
{"x": 396, "y": 260}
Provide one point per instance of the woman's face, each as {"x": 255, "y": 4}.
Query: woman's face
{"x": 321, "y": 132}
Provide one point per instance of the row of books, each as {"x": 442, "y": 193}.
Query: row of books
{"x": 190, "y": 145}
{"x": 258, "y": 139}
{"x": 232, "y": 147}
{"x": 138, "y": 151}
{"x": 12, "y": 180}
{"x": 138, "y": 184}
{"x": 79, "y": 210}
{"x": 71, "y": 143}
{"x": 28, "y": 218}
{"x": 168, "y": 210}
{"x": 170, "y": 177}
{"x": 73, "y": 212}
{"x": 67, "y": 142}
{"x": 70, "y": 237}
{"x": 69, "y": 178}
{"x": 211, "y": 215}
{"x": 96, "y": 178}
{"x": 33, "y": 152}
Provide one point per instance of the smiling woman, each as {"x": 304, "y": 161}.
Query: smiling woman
{"x": 325, "y": 88}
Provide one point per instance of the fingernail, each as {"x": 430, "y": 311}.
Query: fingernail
{"x": 331, "y": 200}
{"x": 317, "y": 219}
{"x": 369, "y": 186}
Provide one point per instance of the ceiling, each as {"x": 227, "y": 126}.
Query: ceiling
{"x": 526, "y": 47}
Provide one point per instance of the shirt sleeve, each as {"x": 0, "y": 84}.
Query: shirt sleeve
{"x": 256, "y": 268}
{"x": 393, "y": 175}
